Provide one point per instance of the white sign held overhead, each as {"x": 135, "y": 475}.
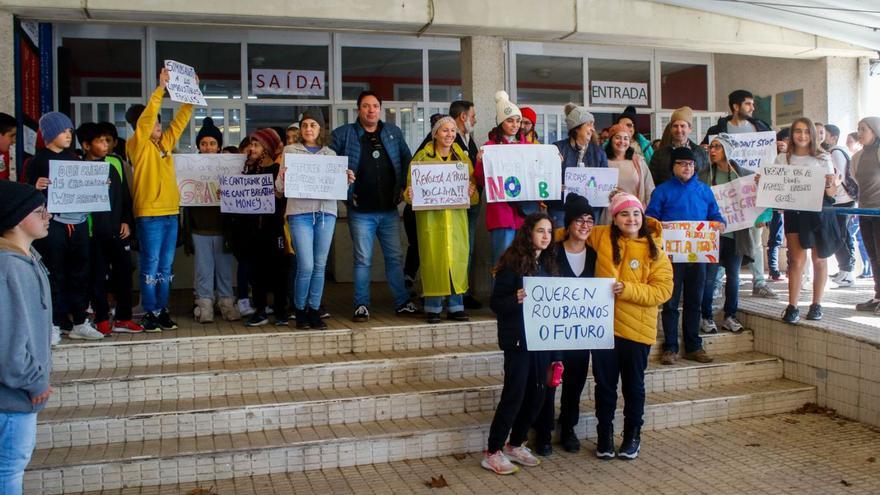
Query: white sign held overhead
{"x": 78, "y": 186}
{"x": 619, "y": 93}
{"x": 562, "y": 313}
{"x": 528, "y": 172}
{"x": 182, "y": 87}
{"x": 288, "y": 82}
{"x": 315, "y": 176}
{"x": 593, "y": 183}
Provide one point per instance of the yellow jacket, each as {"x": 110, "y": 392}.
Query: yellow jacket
{"x": 154, "y": 183}
{"x": 647, "y": 283}
{"x": 443, "y": 236}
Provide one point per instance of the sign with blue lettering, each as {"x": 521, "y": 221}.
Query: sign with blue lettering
{"x": 563, "y": 313}
{"x": 248, "y": 194}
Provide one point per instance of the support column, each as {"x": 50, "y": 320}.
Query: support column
{"x": 7, "y": 59}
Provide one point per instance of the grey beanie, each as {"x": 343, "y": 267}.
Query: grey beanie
{"x": 726, "y": 143}
{"x": 576, "y": 116}
{"x": 874, "y": 124}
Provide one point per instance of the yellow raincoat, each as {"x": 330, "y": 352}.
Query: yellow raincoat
{"x": 443, "y": 235}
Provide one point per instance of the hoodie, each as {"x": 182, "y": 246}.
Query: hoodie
{"x": 25, "y": 329}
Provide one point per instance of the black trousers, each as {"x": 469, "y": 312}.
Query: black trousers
{"x": 111, "y": 273}
{"x": 269, "y": 273}
{"x": 65, "y": 253}
{"x": 574, "y": 378}
{"x": 627, "y": 361}
{"x": 525, "y": 377}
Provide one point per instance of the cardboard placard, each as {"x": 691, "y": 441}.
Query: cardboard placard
{"x": 562, "y": 313}
{"x": 248, "y": 194}
{"x": 526, "y": 172}
{"x": 691, "y": 242}
{"x": 791, "y": 187}
{"x": 737, "y": 202}
{"x": 78, "y": 187}
{"x": 316, "y": 176}
{"x": 593, "y": 183}
{"x": 182, "y": 87}
{"x": 752, "y": 150}
{"x": 198, "y": 176}
{"x": 439, "y": 186}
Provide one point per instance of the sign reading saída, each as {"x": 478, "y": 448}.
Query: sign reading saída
{"x": 288, "y": 82}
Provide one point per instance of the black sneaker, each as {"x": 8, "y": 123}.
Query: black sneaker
{"x": 361, "y": 314}
{"x": 457, "y": 316}
{"x": 433, "y": 318}
{"x": 258, "y": 319}
{"x": 791, "y": 315}
{"x": 408, "y": 309}
{"x": 869, "y": 306}
{"x": 569, "y": 441}
{"x": 542, "y": 446}
{"x": 605, "y": 443}
{"x": 314, "y": 318}
{"x": 165, "y": 320}
{"x": 815, "y": 312}
{"x": 471, "y": 303}
{"x": 324, "y": 313}
{"x": 282, "y": 319}
{"x": 629, "y": 448}
{"x": 150, "y": 322}
{"x": 302, "y": 320}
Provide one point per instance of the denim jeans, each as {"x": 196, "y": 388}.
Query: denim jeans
{"x": 158, "y": 240}
{"x": 775, "y": 241}
{"x": 846, "y": 254}
{"x": 213, "y": 267}
{"x": 731, "y": 262}
{"x": 689, "y": 278}
{"x": 18, "y": 436}
{"x": 863, "y": 252}
{"x": 757, "y": 265}
{"x": 312, "y": 234}
{"x": 365, "y": 227}
{"x": 501, "y": 240}
{"x": 434, "y": 304}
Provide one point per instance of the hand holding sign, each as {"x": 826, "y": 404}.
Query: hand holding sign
{"x": 439, "y": 186}
{"x": 182, "y": 84}
{"x": 692, "y": 242}
{"x": 791, "y": 187}
{"x": 527, "y": 172}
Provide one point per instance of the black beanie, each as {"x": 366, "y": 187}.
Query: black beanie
{"x": 576, "y": 206}
{"x": 16, "y": 202}
{"x": 313, "y": 113}
{"x": 682, "y": 153}
{"x": 209, "y": 130}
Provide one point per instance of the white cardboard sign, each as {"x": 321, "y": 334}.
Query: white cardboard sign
{"x": 526, "y": 172}
{"x": 315, "y": 176}
{"x": 439, "y": 186}
{"x": 182, "y": 87}
{"x": 736, "y": 200}
{"x": 791, "y": 187}
{"x": 593, "y": 183}
{"x": 691, "y": 242}
{"x": 248, "y": 194}
{"x": 78, "y": 187}
{"x": 288, "y": 82}
{"x": 752, "y": 150}
{"x": 198, "y": 176}
{"x": 563, "y": 313}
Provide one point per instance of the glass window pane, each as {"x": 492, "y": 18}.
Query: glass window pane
{"x": 444, "y": 75}
{"x": 101, "y": 67}
{"x": 549, "y": 80}
{"x": 620, "y": 71}
{"x": 278, "y": 117}
{"x": 286, "y": 58}
{"x": 185, "y": 145}
{"x": 684, "y": 84}
{"x": 392, "y": 73}
{"x": 218, "y": 65}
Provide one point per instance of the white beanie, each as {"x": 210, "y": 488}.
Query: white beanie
{"x": 504, "y": 108}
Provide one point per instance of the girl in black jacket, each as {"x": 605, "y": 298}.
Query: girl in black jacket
{"x": 524, "y": 371}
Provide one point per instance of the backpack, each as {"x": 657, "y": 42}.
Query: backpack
{"x": 849, "y": 182}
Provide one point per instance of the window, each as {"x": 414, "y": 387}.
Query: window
{"x": 218, "y": 65}
{"x": 392, "y": 73}
{"x": 684, "y": 84}
{"x": 228, "y": 121}
{"x": 284, "y": 58}
{"x": 444, "y": 75}
{"x": 609, "y": 82}
{"x": 278, "y": 117}
{"x": 542, "y": 79}
{"x": 98, "y": 67}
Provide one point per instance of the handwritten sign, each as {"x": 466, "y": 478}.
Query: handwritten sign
{"x": 528, "y": 172}
{"x": 315, "y": 176}
{"x": 736, "y": 200}
{"x": 439, "y": 186}
{"x": 691, "y": 242}
{"x": 78, "y": 187}
{"x": 593, "y": 183}
{"x": 288, "y": 82}
{"x": 562, "y": 313}
{"x": 249, "y": 194}
{"x": 752, "y": 150}
{"x": 198, "y": 176}
{"x": 791, "y": 187}
{"x": 182, "y": 86}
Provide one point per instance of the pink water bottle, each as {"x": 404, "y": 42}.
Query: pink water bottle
{"x": 554, "y": 374}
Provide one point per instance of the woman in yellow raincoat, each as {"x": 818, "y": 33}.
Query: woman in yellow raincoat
{"x": 443, "y": 233}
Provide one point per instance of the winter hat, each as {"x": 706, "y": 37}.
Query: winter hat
{"x": 623, "y": 200}
{"x": 617, "y": 129}
{"x": 19, "y": 200}
{"x": 269, "y": 140}
{"x": 504, "y": 108}
{"x": 575, "y": 116}
{"x": 683, "y": 113}
{"x": 576, "y": 206}
{"x": 134, "y": 113}
{"x": 528, "y": 113}
{"x": 209, "y": 130}
{"x": 445, "y": 119}
{"x": 52, "y": 124}
{"x": 312, "y": 113}
{"x": 628, "y": 113}
{"x": 726, "y": 142}
{"x": 874, "y": 124}
{"x": 682, "y": 153}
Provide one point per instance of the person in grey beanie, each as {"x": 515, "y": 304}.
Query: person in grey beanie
{"x": 579, "y": 149}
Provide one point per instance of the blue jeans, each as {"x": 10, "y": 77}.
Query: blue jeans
{"x": 757, "y": 265}
{"x": 501, "y": 240}
{"x": 18, "y": 436}
{"x": 434, "y": 304}
{"x": 775, "y": 241}
{"x": 312, "y": 234}
{"x": 213, "y": 267}
{"x": 364, "y": 228}
{"x": 158, "y": 239}
{"x": 731, "y": 263}
{"x": 863, "y": 252}
{"x": 689, "y": 278}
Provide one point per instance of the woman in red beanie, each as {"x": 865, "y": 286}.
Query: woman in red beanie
{"x": 529, "y": 121}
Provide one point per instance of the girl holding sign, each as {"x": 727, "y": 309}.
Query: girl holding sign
{"x": 444, "y": 270}
{"x": 524, "y": 371}
{"x": 629, "y": 250}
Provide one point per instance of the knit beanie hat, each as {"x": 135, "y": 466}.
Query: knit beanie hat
{"x": 269, "y": 140}
{"x": 683, "y": 113}
{"x": 726, "y": 142}
{"x": 682, "y": 153}
{"x": 504, "y": 108}
{"x": 575, "y": 116}
{"x": 622, "y": 200}
{"x": 617, "y": 129}
{"x": 209, "y": 130}
{"x": 576, "y": 206}
{"x": 446, "y": 119}
{"x": 18, "y": 201}
{"x": 312, "y": 113}
{"x": 52, "y": 124}
{"x": 874, "y": 124}
{"x": 628, "y": 113}
{"x": 528, "y": 113}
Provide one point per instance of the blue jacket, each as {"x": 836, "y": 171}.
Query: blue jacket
{"x": 687, "y": 201}
{"x": 347, "y": 142}
{"x": 593, "y": 157}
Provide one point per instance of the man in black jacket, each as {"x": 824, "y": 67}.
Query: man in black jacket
{"x": 740, "y": 120}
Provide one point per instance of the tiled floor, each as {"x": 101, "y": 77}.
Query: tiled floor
{"x": 786, "y": 453}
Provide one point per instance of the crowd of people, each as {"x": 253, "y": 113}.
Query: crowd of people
{"x": 70, "y": 262}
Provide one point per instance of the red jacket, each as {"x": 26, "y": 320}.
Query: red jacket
{"x": 500, "y": 215}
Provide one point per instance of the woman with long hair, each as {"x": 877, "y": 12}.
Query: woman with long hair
{"x": 634, "y": 175}
{"x": 866, "y": 170}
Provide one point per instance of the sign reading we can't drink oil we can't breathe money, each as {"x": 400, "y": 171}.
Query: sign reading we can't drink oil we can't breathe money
{"x": 563, "y": 313}
{"x": 248, "y": 194}
{"x": 439, "y": 186}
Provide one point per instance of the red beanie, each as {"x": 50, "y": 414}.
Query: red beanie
{"x": 270, "y": 141}
{"x": 530, "y": 114}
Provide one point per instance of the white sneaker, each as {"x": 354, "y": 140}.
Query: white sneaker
{"x": 846, "y": 279}
{"x": 244, "y": 307}
{"x": 521, "y": 455}
{"x": 732, "y": 324}
{"x": 56, "y": 335}
{"x": 269, "y": 310}
{"x": 499, "y": 463}
{"x": 708, "y": 326}
{"x": 85, "y": 331}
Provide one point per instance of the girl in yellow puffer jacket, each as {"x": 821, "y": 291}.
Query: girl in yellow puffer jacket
{"x": 630, "y": 251}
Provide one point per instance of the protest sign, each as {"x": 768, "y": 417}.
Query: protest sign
{"x": 182, "y": 86}
{"x": 288, "y": 82}
{"x": 531, "y": 172}
{"x": 439, "y": 186}
{"x": 691, "y": 242}
{"x": 249, "y": 194}
{"x": 752, "y": 150}
{"x": 563, "y": 313}
{"x": 198, "y": 176}
{"x": 595, "y": 184}
{"x": 78, "y": 187}
{"x": 315, "y": 176}
{"x": 736, "y": 200}
{"x": 791, "y": 187}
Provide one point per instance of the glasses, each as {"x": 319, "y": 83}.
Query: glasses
{"x": 42, "y": 212}
{"x": 685, "y": 164}
{"x": 715, "y": 146}
{"x": 583, "y": 221}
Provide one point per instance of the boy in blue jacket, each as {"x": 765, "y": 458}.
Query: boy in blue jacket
{"x": 684, "y": 198}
